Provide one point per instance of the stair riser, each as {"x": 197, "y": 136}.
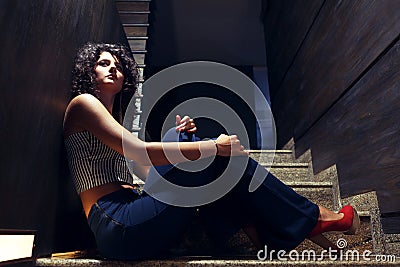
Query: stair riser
{"x": 133, "y": 31}
{"x": 137, "y": 44}
{"x": 267, "y": 158}
{"x": 133, "y": 6}
{"x": 134, "y": 18}
{"x": 291, "y": 174}
{"x": 139, "y": 58}
{"x": 277, "y": 158}
{"x": 320, "y": 196}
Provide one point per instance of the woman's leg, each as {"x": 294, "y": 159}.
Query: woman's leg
{"x": 283, "y": 217}
{"x": 130, "y": 226}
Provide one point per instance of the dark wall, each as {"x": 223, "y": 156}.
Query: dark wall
{"x": 38, "y": 44}
{"x": 334, "y": 77}
{"x": 161, "y": 113}
{"x": 225, "y": 31}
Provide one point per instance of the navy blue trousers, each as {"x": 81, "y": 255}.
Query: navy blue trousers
{"x": 132, "y": 226}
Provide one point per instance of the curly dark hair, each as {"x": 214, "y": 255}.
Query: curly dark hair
{"x": 84, "y": 76}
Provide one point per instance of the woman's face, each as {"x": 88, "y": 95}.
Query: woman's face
{"x": 109, "y": 72}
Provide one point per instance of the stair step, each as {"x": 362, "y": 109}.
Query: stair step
{"x": 275, "y": 155}
{"x": 133, "y": 5}
{"x": 361, "y": 241}
{"x": 322, "y": 196}
{"x": 309, "y": 184}
{"x": 287, "y": 173}
{"x": 138, "y": 44}
{"x": 139, "y": 58}
{"x": 139, "y": 51}
{"x": 134, "y": 12}
{"x": 135, "y": 31}
{"x": 135, "y": 25}
{"x": 210, "y": 261}
{"x": 137, "y": 38}
{"x": 292, "y": 165}
{"x": 132, "y": 0}
{"x": 135, "y": 129}
{"x": 129, "y": 17}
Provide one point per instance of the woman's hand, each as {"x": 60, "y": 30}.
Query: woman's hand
{"x": 185, "y": 125}
{"x": 229, "y": 145}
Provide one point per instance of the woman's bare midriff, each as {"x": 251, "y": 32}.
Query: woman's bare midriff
{"x": 90, "y": 197}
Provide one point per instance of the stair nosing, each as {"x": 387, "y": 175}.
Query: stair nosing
{"x": 139, "y": 51}
{"x": 285, "y": 165}
{"x": 135, "y": 129}
{"x": 213, "y": 261}
{"x": 135, "y": 25}
{"x": 269, "y": 151}
{"x": 309, "y": 184}
{"x": 134, "y": 12}
{"x": 132, "y": 1}
{"x": 137, "y": 38}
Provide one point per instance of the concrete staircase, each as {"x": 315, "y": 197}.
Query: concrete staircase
{"x": 323, "y": 188}
{"x": 196, "y": 250}
{"x": 134, "y": 15}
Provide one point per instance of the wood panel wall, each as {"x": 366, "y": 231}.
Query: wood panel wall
{"x": 338, "y": 93}
{"x": 38, "y": 44}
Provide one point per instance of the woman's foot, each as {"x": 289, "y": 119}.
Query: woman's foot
{"x": 346, "y": 221}
{"x": 251, "y": 231}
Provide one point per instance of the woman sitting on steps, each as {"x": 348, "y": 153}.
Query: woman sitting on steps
{"x": 130, "y": 224}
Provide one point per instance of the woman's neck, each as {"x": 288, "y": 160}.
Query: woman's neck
{"x": 108, "y": 101}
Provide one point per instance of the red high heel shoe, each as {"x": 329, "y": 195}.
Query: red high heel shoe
{"x": 349, "y": 225}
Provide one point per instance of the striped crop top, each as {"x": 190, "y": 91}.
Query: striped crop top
{"x": 92, "y": 163}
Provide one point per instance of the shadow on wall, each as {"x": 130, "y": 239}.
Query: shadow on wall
{"x": 335, "y": 90}
{"x": 38, "y": 47}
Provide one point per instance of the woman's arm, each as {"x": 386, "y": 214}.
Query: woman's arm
{"x": 141, "y": 171}
{"x": 183, "y": 125}
{"x": 88, "y": 113}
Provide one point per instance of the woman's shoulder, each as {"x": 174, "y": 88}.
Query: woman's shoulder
{"x": 85, "y": 104}
{"x": 79, "y": 108}
{"x": 83, "y": 100}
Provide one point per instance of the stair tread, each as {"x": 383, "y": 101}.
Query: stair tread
{"x": 270, "y": 151}
{"x": 134, "y": 12}
{"x": 137, "y": 38}
{"x": 281, "y": 156}
{"x": 135, "y": 25}
{"x": 308, "y": 184}
{"x": 208, "y": 261}
{"x": 285, "y": 164}
{"x": 119, "y": 1}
